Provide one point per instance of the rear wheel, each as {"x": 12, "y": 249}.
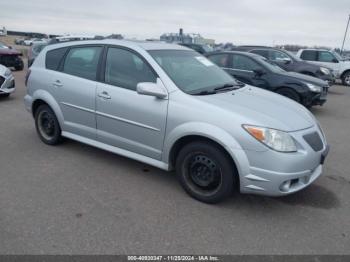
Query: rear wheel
{"x": 5, "y": 95}
{"x": 47, "y": 125}
{"x": 287, "y": 92}
{"x": 205, "y": 172}
{"x": 346, "y": 79}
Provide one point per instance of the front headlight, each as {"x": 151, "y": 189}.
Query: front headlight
{"x": 325, "y": 71}
{"x": 314, "y": 88}
{"x": 275, "y": 139}
{"x": 8, "y": 72}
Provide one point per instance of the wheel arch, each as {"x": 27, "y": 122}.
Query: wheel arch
{"x": 178, "y": 138}
{"x": 41, "y": 97}
{"x": 342, "y": 74}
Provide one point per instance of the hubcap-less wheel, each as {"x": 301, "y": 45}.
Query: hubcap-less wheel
{"x": 202, "y": 173}
{"x": 46, "y": 124}
{"x": 205, "y": 171}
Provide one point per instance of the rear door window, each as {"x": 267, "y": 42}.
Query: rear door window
{"x": 54, "y": 57}
{"x": 82, "y": 62}
{"x": 309, "y": 55}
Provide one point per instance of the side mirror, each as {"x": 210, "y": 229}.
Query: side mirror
{"x": 258, "y": 72}
{"x": 10, "y": 47}
{"x": 334, "y": 60}
{"x": 151, "y": 89}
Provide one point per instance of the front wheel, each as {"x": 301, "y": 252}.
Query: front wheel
{"x": 346, "y": 79}
{"x": 290, "y": 93}
{"x": 205, "y": 172}
{"x": 47, "y": 125}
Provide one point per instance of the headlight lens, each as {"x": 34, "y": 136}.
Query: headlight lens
{"x": 275, "y": 139}
{"x": 325, "y": 71}
{"x": 8, "y": 72}
{"x": 314, "y": 88}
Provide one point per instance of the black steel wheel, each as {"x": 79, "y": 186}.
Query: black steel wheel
{"x": 47, "y": 125}
{"x": 205, "y": 172}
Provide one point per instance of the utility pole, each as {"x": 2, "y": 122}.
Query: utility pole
{"x": 346, "y": 31}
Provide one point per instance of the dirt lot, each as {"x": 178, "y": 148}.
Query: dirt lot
{"x": 75, "y": 199}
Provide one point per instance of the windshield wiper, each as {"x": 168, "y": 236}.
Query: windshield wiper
{"x": 229, "y": 87}
{"x": 205, "y": 92}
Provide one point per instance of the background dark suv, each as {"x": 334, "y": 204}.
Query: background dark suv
{"x": 289, "y": 62}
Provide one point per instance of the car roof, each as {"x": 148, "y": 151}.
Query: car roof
{"x": 146, "y": 45}
{"x": 236, "y": 52}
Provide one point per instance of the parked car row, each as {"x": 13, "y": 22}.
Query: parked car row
{"x": 30, "y": 41}
{"x": 256, "y": 70}
{"x": 170, "y": 107}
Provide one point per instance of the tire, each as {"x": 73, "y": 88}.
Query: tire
{"x": 214, "y": 176}
{"x": 290, "y": 93}
{"x": 346, "y": 78}
{"x": 5, "y": 95}
{"x": 47, "y": 125}
{"x": 20, "y": 67}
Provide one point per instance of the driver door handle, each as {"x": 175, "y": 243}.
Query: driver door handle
{"x": 104, "y": 95}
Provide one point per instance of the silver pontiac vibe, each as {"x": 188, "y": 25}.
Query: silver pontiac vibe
{"x": 170, "y": 107}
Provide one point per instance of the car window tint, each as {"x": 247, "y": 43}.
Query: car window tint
{"x": 82, "y": 62}
{"x": 54, "y": 57}
{"x": 324, "y": 56}
{"x": 244, "y": 63}
{"x": 264, "y": 53}
{"x": 278, "y": 56}
{"x": 126, "y": 69}
{"x": 219, "y": 59}
{"x": 309, "y": 55}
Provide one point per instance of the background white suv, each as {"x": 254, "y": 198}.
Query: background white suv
{"x": 330, "y": 59}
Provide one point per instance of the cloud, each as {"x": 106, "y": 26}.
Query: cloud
{"x": 266, "y": 22}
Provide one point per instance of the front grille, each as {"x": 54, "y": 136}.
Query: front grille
{"x": 314, "y": 140}
{"x": 2, "y": 80}
{"x": 8, "y": 59}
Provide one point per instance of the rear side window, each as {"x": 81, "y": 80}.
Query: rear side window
{"x": 126, "y": 69}
{"x": 264, "y": 53}
{"x": 82, "y": 62}
{"x": 309, "y": 55}
{"x": 219, "y": 59}
{"x": 54, "y": 57}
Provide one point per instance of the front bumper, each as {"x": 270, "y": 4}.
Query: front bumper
{"x": 314, "y": 99}
{"x": 276, "y": 174}
{"x": 8, "y": 85}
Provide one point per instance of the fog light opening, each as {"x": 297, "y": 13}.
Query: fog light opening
{"x": 285, "y": 186}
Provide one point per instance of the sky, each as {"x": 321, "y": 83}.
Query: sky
{"x": 261, "y": 22}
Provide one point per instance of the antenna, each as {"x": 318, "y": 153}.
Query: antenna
{"x": 346, "y": 31}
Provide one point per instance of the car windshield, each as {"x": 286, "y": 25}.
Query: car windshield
{"x": 294, "y": 57}
{"x": 3, "y": 45}
{"x": 271, "y": 65}
{"x": 191, "y": 72}
{"x": 338, "y": 56}
{"x": 207, "y": 48}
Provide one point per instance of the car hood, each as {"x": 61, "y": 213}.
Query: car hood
{"x": 304, "y": 78}
{"x": 259, "y": 107}
{"x": 8, "y": 51}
